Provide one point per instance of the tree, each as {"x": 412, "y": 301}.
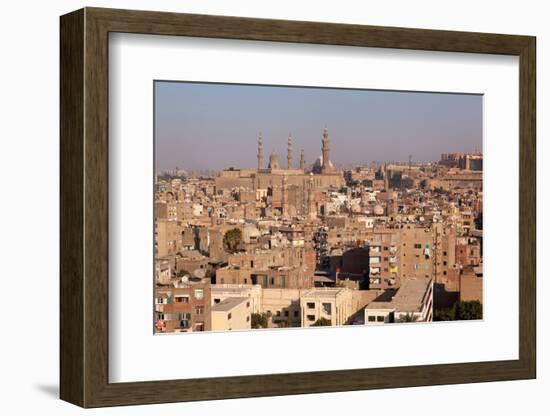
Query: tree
{"x": 322, "y": 322}
{"x": 460, "y": 311}
{"x": 469, "y": 310}
{"x": 408, "y": 317}
{"x": 259, "y": 320}
{"x": 232, "y": 240}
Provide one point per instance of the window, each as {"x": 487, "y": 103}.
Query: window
{"x": 229, "y": 315}
{"x": 248, "y": 318}
{"x": 327, "y": 308}
{"x": 199, "y": 293}
{"x": 379, "y": 318}
{"x": 199, "y": 326}
{"x": 217, "y": 300}
{"x": 295, "y": 314}
{"x": 286, "y": 313}
{"x": 372, "y": 318}
{"x": 181, "y": 299}
{"x": 311, "y": 305}
{"x": 272, "y": 281}
{"x": 444, "y": 253}
{"x": 248, "y": 304}
{"x": 199, "y": 310}
{"x": 417, "y": 245}
{"x": 311, "y": 318}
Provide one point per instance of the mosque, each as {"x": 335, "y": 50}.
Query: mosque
{"x": 289, "y": 186}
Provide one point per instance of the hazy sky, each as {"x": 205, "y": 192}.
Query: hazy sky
{"x": 215, "y": 126}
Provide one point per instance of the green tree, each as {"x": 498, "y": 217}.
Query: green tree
{"x": 460, "y": 311}
{"x": 232, "y": 240}
{"x": 469, "y": 310}
{"x": 322, "y": 322}
{"x": 408, "y": 317}
{"x": 259, "y": 320}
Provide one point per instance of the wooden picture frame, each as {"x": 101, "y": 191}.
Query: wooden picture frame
{"x": 84, "y": 207}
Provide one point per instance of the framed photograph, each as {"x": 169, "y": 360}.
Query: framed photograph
{"x": 255, "y": 207}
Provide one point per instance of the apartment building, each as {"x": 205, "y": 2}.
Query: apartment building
{"x": 184, "y": 306}
{"x": 232, "y": 314}
{"x": 333, "y": 304}
{"x": 413, "y": 301}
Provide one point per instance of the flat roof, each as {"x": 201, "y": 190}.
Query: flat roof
{"x": 235, "y": 289}
{"x": 408, "y": 298}
{"x": 228, "y": 304}
{"x": 324, "y": 292}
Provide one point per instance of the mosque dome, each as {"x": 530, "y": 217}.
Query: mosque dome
{"x": 273, "y": 161}
{"x": 318, "y": 165}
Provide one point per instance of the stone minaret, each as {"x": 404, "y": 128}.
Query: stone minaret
{"x": 326, "y": 151}
{"x": 289, "y": 153}
{"x": 260, "y": 152}
{"x": 302, "y": 160}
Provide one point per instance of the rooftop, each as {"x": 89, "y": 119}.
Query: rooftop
{"x": 228, "y": 304}
{"x": 409, "y": 296}
{"x": 324, "y": 292}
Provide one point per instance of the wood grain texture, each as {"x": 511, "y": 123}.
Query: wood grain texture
{"x": 71, "y": 208}
{"x": 84, "y": 207}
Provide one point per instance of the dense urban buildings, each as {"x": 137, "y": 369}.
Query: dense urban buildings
{"x": 301, "y": 244}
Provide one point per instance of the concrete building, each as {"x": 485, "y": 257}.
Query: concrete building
{"x": 471, "y": 284}
{"x": 183, "y": 306}
{"x": 416, "y": 252}
{"x": 283, "y": 305}
{"x": 413, "y": 300}
{"x": 221, "y": 292}
{"x": 333, "y": 304}
{"x": 232, "y": 314}
{"x": 168, "y": 238}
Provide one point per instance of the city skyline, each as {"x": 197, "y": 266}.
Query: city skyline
{"x": 194, "y": 121}
{"x": 271, "y": 231}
